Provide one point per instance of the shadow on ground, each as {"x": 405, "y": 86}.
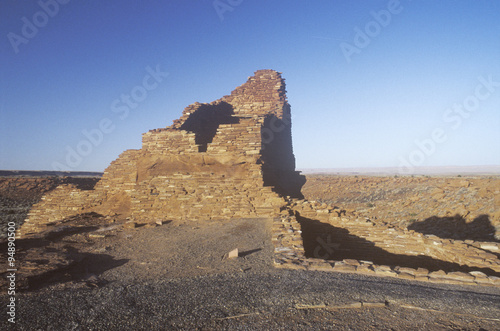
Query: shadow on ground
{"x": 323, "y": 240}
{"x": 55, "y": 257}
{"x": 455, "y": 227}
{"x": 84, "y": 267}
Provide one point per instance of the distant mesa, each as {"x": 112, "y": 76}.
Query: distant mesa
{"x": 226, "y": 159}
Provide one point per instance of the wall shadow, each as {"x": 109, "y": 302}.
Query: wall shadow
{"x": 205, "y": 121}
{"x": 325, "y": 241}
{"x": 455, "y": 227}
{"x": 51, "y": 257}
{"x": 86, "y": 267}
{"x": 71, "y": 264}
{"x": 278, "y": 161}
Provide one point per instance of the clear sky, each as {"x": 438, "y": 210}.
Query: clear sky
{"x": 371, "y": 83}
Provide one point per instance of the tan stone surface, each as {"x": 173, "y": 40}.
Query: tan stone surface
{"x": 231, "y": 158}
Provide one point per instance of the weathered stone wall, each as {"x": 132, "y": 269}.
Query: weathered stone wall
{"x": 316, "y": 236}
{"x": 229, "y": 158}
{"x": 50, "y": 208}
{"x": 233, "y": 158}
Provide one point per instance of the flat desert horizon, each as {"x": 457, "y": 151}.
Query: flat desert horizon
{"x": 479, "y": 170}
{"x": 430, "y": 170}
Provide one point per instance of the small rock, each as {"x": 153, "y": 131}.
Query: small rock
{"x": 232, "y": 254}
{"x": 339, "y": 266}
{"x": 130, "y": 225}
{"x": 351, "y": 262}
{"x": 97, "y": 235}
{"x": 437, "y": 274}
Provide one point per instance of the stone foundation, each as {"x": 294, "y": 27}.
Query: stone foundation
{"x": 313, "y": 236}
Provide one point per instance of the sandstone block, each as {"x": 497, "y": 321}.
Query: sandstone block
{"x": 461, "y": 276}
{"x": 342, "y": 267}
{"x": 233, "y": 254}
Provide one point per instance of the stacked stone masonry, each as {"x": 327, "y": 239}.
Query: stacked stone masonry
{"x": 233, "y": 158}
{"x": 217, "y": 160}
{"x": 479, "y": 259}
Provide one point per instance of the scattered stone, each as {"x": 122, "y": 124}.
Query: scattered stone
{"x": 130, "y": 225}
{"x": 320, "y": 266}
{"x": 351, "y": 262}
{"x": 406, "y": 270}
{"x": 365, "y": 268}
{"x": 440, "y": 274}
{"x": 97, "y": 235}
{"x": 461, "y": 276}
{"x": 373, "y": 304}
{"x": 421, "y": 272}
{"x": 494, "y": 247}
{"x": 304, "y": 306}
{"x": 384, "y": 270}
{"x": 353, "y": 305}
{"x": 161, "y": 222}
{"x": 342, "y": 267}
{"x": 233, "y": 254}
{"x": 404, "y": 275}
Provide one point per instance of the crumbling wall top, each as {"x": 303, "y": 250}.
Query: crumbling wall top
{"x": 262, "y": 94}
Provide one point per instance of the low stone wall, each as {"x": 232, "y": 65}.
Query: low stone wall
{"x": 50, "y": 209}
{"x": 464, "y": 262}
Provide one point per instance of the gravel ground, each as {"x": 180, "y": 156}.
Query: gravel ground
{"x": 260, "y": 300}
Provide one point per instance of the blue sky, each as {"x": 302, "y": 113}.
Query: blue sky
{"x": 371, "y": 83}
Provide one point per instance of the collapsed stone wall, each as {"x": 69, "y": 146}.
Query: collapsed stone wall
{"x": 315, "y": 236}
{"x": 229, "y": 158}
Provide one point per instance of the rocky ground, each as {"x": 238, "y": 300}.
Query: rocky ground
{"x": 449, "y": 207}
{"x": 93, "y": 272}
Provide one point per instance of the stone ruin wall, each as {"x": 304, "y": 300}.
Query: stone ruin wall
{"x": 229, "y": 158}
{"x": 296, "y": 243}
{"x": 233, "y": 158}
